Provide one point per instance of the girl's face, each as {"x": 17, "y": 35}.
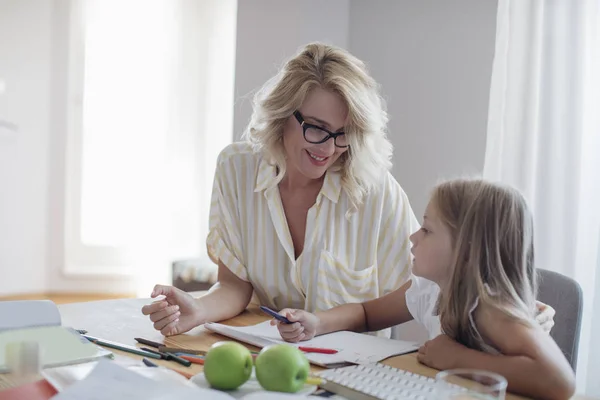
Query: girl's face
{"x": 432, "y": 248}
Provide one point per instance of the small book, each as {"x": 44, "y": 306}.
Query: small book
{"x": 352, "y": 347}
{"x": 40, "y": 322}
{"x": 38, "y": 390}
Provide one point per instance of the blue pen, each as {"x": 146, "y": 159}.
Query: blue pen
{"x": 275, "y": 315}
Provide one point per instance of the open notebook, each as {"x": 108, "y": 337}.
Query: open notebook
{"x": 352, "y": 347}
{"x": 39, "y": 321}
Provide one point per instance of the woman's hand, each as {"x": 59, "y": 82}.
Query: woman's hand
{"x": 440, "y": 353}
{"x": 177, "y": 313}
{"x": 545, "y": 316}
{"x": 303, "y": 327}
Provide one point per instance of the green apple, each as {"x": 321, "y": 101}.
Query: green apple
{"x": 281, "y": 368}
{"x": 227, "y": 365}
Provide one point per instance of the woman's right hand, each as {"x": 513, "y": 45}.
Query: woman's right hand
{"x": 176, "y": 313}
{"x": 303, "y": 327}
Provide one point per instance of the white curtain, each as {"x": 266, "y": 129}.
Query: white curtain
{"x": 157, "y": 109}
{"x": 544, "y": 138}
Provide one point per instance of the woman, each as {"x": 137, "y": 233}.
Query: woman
{"x": 305, "y": 213}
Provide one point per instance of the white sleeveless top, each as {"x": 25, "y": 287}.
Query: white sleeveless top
{"x": 421, "y": 300}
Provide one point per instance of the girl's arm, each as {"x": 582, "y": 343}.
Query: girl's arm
{"x": 372, "y": 315}
{"x": 530, "y": 360}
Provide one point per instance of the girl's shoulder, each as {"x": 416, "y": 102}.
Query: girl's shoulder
{"x": 421, "y": 301}
{"x": 422, "y": 294}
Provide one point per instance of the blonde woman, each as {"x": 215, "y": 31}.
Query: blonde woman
{"x": 305, "y": 213}
{"x": 473, "y": 289}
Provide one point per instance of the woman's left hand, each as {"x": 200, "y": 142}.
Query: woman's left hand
{"x": 440, "y": 353}
{"x": 545, "y": 316}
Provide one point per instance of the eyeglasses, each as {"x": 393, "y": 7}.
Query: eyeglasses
{"x": 316, "y": 135}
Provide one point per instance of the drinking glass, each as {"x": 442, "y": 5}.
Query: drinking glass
{"x": 470, "y": 384}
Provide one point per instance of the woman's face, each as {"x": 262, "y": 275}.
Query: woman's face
{"x": 324, "y": 109}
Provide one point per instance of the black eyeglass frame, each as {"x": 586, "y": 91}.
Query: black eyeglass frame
{"x": 305, "y": 125}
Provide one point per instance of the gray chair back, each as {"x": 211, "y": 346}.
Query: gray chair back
{"x": 565, "y": 296}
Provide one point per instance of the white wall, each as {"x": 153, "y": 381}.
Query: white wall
{"x": 434, "y": 61}
{"x": 25, "y": 53}
{"x": 271, "y": 31}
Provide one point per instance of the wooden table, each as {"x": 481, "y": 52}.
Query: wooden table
{"x": 122, "y": 320}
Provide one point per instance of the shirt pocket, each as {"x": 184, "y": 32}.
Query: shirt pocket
{"x": 339, "y": 284}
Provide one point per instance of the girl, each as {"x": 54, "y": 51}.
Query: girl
{"x": 473, "y": 288}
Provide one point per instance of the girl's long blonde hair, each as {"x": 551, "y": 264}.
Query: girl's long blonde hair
{"x": 493, "y": 259}
{"x": 330, "y": 68}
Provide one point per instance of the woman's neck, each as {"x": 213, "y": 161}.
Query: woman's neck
{"x": 293, "y": 181}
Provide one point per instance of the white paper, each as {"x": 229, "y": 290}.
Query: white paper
{"x": 352, "y": 347}
{"x": 20, "y": 314}
{"x": 111, "y": 381}
{"x": 64, "y": 376}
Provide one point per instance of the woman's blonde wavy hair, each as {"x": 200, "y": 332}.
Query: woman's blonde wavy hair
{"x": 322, "y": 66}
{"x": 493, "y": 259}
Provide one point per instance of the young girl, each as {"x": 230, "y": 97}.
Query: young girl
{"x": 473, "y": 288}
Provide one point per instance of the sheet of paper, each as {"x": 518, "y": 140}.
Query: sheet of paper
{"x": 352, "y": 347}
{"x": 111, "y": 381}
{"x": 28, "y": 313}
{"x": 64, "y": 376}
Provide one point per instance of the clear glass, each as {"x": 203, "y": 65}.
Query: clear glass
{"x": 470, "y": 384}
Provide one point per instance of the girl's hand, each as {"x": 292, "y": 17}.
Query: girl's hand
{"x": 440, "y": 353}
{"x": 303, "y": 327}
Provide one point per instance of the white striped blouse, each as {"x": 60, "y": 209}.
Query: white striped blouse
{"x": 345, "y": 259}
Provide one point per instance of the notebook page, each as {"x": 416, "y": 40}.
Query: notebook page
{"x": 351, "y": 346}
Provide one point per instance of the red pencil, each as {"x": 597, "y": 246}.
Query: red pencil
{"x": 195, "y": 360}
{"x": 317, "y": 350}
{"x": 187, "y": 375}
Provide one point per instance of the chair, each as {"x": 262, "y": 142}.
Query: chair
{"x": 565, "y": 296}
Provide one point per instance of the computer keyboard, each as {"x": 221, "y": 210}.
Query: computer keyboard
{"x": 380, "y": 382}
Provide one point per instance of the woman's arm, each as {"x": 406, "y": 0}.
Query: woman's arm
{"x": 373, "y": 315}
{"x": 227, "y": 298}
{"x": 178, "y": 311}
{"x": 530, "y": 360}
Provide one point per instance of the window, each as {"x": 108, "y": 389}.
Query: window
{"x": 139, "y": 161}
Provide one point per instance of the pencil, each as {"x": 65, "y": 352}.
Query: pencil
{"x": 187, "y": 375}
{"x": 166, "y": 349}
{"x": 313, "y": 380}
{"x": 122, "y": 347}
{"x": 194, "y": 360}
